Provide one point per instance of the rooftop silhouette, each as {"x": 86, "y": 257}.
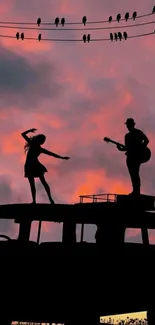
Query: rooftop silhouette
{"x": 42, "y": 262}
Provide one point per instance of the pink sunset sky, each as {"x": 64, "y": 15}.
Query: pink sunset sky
{"x": 75, "y": 94}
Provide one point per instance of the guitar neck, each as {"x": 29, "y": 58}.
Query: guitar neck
{"x": 117, "y": 143}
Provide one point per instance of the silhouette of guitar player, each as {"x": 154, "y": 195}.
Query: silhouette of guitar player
{"x": 33, "y": 168}
{"x": 135, "y": 143}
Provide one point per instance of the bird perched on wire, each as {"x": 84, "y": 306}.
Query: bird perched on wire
{"x": 84, "y": 20}
{"x": 126, "y": 16}
{"x": 115, "y": 35}
{"x": 17, "y": 35}
{"x": 63, "y": 21}
{"x": 118, "y": 18}
{"x": 120, "y": 36}
{"x": 153, "y": 10}
{"x": 134, "y": 15}
{"x": 22, "y": 36}
{"x": 39, "y": 37}
{"x": 57, "y": 21}
{"x": 111, "y": 37}
{"x": 84, "y": 38}
{"x": 125, "y": 35}
{"x": 110, "y": 19}
{"x": 38, "y": 21}
{"x": 88, "y": 38}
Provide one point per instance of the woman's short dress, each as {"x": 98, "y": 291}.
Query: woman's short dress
{"x": 33, "y": 167}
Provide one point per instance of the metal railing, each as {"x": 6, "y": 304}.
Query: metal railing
{"x": 94, "y": 198}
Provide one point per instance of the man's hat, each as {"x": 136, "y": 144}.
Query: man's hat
{"x": 130, "y": 121}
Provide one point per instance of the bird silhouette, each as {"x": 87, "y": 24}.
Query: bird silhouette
{"x": 84, "y": 20}
{"x": 111, "y": 37}
{"x": 118, "y": 18}
{"x": 39, "y": 37}
{"x": 120, "y": 36}
{"x": 84, "y": 38}
{"x": 110, "y": 19}
{"x": 88, "y": 38}
{"x": 126, "y": 16}
{"x": 63, "y": 21}
{"x": 153, "y": 10}
{"x": 125, "y": 35}
{"x": 115, "y": 35}
{"x": 57, "y": 21}
{"x": 22, "y": 36}
{"x": 134, "y": 15}
{"x": 17, "y": 35}
{"x": 38, "y": 21}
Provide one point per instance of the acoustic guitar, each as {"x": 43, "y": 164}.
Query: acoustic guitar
{"x": 144, "y": 152}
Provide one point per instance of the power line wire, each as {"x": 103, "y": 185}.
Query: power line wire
{"x": 74, "y": 23}
{"x": 75, "y": 40}
{"x": 82, "y": 29}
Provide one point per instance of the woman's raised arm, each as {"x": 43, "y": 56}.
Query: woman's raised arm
{"x": 23, "y": 134}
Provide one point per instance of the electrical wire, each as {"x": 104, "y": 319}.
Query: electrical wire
{"x": 75, "y": 23}
{"x": 82, "y": 29}
{"x": 75, "y": 40}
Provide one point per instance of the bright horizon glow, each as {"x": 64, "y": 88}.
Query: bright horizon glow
{"x": 139, "y": 315}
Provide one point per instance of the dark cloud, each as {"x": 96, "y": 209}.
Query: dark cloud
{"x": 101, "y": 8}
{"x": 81, "y": 107}
{"x": 141, "y": 106}
{"x": 79, "y": 112}
{"x": 5, "y": 189}
{"x": 148, "y": 176}
{"x": 25, "y": 84}
{"x": 31, "y": 9}
{"x": 106, "y": 86}
{"x": 30, "y": 12}
{"x": 105, "y": 92}
{"x": 7, "y": 227}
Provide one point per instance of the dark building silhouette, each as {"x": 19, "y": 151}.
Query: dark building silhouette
{"x": 51, "y": 281}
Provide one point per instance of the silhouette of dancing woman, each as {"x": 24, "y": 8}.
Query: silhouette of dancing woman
{"x": 33, "y": 168}
{"x": 134, "y": 139}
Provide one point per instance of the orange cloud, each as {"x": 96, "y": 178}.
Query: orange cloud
{"x": 11, "y": 144}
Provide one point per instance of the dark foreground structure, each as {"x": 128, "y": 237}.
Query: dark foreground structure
{"x": 76, "y": 282}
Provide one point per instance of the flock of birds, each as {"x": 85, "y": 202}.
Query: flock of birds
{"x": 114, "y": 36}
{"x": 86, "y": 38}
{"x": 84, "y": 19}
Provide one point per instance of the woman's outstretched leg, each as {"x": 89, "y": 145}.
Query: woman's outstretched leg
{"x": 47, "y": 188}
{"x": 33, "y": 188}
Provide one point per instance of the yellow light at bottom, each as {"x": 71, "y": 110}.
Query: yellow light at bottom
{"x": 115, "y": 318}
